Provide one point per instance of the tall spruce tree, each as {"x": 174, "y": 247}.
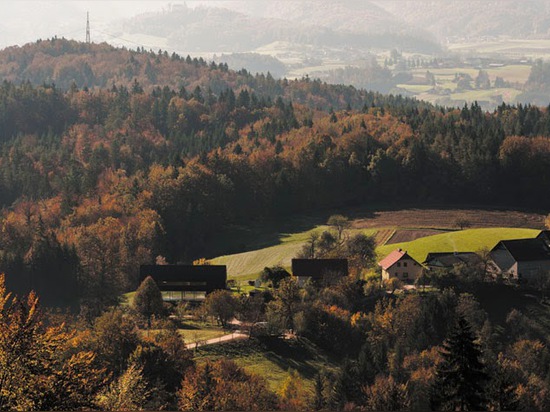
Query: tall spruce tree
{"x": 460, "y": 378}
{"x": 319, "y": 400}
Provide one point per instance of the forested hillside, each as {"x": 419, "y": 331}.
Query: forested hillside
{"x": 96, "y": 181}
{"x": 111, "y": 158}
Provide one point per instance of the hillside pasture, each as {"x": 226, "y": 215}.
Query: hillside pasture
{"x": 470, "y": 240}
{"x": 391, "y": 229}
{"x": 248, "y": 265}
{"x": 272, "y": 358}
{"x": 515, "y": 48}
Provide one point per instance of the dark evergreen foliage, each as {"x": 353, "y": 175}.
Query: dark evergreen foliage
{"x": 461, "y": 380}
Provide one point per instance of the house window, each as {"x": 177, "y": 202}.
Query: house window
{"x": 405, "y": 264}
{"x": 398, "y": 264}
{"x": 405, "y": 275}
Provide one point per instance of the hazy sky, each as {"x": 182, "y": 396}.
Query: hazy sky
{"x": 23, "y": 21}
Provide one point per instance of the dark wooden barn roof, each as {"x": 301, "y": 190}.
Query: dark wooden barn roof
{"x": 526, "y": 249}
{"x": 186, "y": 277}
{"x": 447, "y": 260}
{"x": 319, "y": 268}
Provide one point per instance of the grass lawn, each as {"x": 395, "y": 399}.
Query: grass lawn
{"x": 470, "y": 240}
{"x": 195, "y": 335}
{"x": 272, "y": 358}
{"x": 193, "y": 330}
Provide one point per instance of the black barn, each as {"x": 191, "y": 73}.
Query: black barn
{"x": 319, "y": 269}
{"x": 186, "y": 278}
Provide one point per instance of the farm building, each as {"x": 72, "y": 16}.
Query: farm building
{"x": 446, "y": 260}
{"x": 319, "y": 270}
{"x": 522, "y": 259}
{"x": 544, "y": 235}
{"x": 186, "y": 282}
{"x": 398, "y": 264}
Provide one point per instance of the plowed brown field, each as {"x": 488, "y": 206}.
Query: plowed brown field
{"x": 447, "y": 219}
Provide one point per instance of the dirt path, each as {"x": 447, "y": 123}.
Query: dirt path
{"x": 222, "y": 339}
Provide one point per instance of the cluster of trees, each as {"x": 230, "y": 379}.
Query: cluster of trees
{"x": 439, "y": 349}
{"x": 97, "y": 182}
{"x": 94, "y": 183}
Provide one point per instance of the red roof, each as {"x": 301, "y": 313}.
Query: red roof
{"x": 393, "y": 258}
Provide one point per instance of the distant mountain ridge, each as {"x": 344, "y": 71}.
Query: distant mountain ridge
{"x": 339, "y": 15}
{"x": 473, "y": 19}
{"x": 239, "y": 26}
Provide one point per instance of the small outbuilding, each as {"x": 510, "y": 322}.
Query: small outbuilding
{"x": 544, "y": 235}
{"x": 399, "y": 264}
{"x": 448, "y": 260}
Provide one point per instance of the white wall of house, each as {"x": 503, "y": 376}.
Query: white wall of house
{"x": 404, "y": 269}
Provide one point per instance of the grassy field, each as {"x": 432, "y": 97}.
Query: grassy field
{"x": 248, "y": 265}
{"x": 383, "y": 224}
{"x": 523, "y": 48}
{"x": 200, "y": 335}
{"x": 273, "y": 358}
{"x": 514, "y": 73}
{"x": 470, "y": 240}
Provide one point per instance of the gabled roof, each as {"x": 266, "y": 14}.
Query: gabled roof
{"x": 525, "y": 249}
{"x": 393, "y": 258}
{"x": 449, "y": 259}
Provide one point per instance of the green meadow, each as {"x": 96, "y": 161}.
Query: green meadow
{"x": 470, "y": 240}
{"x": 274, "y": 358}
{"x": 248, "y": 265}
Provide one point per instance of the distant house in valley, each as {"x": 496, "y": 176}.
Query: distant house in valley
{"x": 319, "y": 270}
{"x": 522, "y": 259}
{"x": 447, "y": 260}
{"x": 399, "y": 264}
{"x": 186, "y": 282}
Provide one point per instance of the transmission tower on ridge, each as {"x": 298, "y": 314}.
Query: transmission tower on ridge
{"x": 88, "y": 40}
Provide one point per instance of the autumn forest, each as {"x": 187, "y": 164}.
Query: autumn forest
{"x": 114, "y": 158}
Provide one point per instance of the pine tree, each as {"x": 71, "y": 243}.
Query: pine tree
{"x": 319, "y": 399}
{"x": 460, "y": 378}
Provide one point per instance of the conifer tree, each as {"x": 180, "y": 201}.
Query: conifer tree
{"x": 460, "y": 378}
{"x": 319, "y": 396}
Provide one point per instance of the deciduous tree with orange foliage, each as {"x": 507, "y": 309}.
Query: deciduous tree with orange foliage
{"x": 39, "y": 368}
